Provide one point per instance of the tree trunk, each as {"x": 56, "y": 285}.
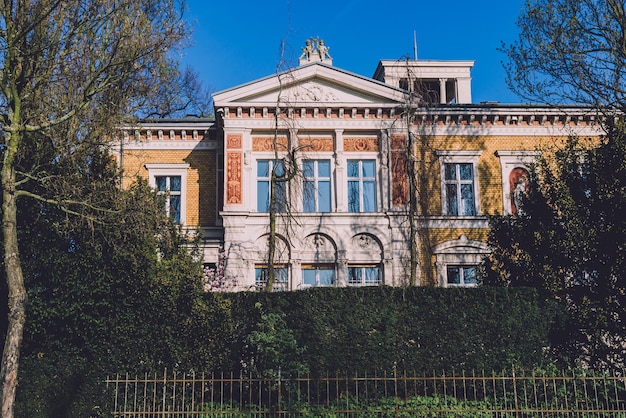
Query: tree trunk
{"x": 412, "y": 189}
{"x": 16, "y": 289}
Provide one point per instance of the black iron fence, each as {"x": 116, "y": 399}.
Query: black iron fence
{"x": 385, "y": 394}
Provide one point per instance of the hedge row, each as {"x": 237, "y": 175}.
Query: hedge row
{"x": 315, "y": 331}
{"x": 377, "y": 328}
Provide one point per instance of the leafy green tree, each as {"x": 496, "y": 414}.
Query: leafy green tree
{"x": 69, "y": 72}
{"x": 570, "y": 239}
{"x": 107, "y": 296}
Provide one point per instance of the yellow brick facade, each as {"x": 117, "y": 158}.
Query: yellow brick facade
{"x": 344, "y": 120}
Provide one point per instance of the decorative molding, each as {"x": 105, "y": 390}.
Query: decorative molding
{"x": 233, "y": 141}
{"x": 233, "y": 178}
{"x": 266, "y": 144}
{"x": 316, "y": 144}
{"x": 360, "y": 144}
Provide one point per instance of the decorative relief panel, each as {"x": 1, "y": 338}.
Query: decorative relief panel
{"x": 398, "y": 142}
{"x": 318, "y": 248}
{"x": 233, "y": 141}
{"x": 267, "y": 143}
{"x": 316, "y": 144}
{"x": 314, "y": 93}
{"x": 366, "y": 245}
{"x": 233, "y": 178}
{"x": 360, "y": 144}
{"x": 399, "y": 183}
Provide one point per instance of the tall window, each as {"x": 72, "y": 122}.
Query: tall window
{"x": 170, "y": 179}
{"x": 461, "y": 275}
{"x": 316, "y": 185}
{"x": 361, "y": 185}
{"x": 318, "y": 275}
{"x": 364, "y": 276}
{"x": 264, "y": 180}
{"x": 459, "y": 189}
{"x": 281, "y": 277}
{"x": 172, "y": 186}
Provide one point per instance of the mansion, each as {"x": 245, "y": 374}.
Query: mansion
{"x": 345, "y": 218}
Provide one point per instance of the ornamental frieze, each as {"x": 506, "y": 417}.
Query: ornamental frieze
{"x": 360, "y": 144}
{"x": 265, "y": 144}
{"x": 316, "y": 144}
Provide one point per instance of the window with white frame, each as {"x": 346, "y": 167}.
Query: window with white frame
{"x": 457, "y": 261}
{"x": 281, "y": 277}
{"x": 170, "y": 180}
{"x": 265, "y": 168}
{"x": 318, "y": 275}
{"x": 316, "y": 186}
{"x": 461, "y": 275}
{"x": 459, "y": 185}
{"x": 364, "y": 275}
{"x": 361, "y": 186}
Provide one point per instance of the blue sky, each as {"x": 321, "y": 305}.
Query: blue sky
{"x": 235, "y": 42}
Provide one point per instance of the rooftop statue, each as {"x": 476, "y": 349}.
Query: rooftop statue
{"x": 315, "y": 50}
{"x": 323, "y": 50}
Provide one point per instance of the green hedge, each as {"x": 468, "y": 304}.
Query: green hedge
{"x": 317, "y": 330}
{"x": 378, "y": 328}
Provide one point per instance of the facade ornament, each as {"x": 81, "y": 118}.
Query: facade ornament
{"x": 319, "y": 241}
{"x": 364, "y": 241}
{"x": 315, "y": 49}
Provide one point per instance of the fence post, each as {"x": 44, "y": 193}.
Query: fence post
{"x": 164, "y": 390}
{"x": 515, "y": 392}
{"x": 279, "y": 393}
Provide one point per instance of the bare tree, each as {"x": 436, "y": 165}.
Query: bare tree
{"x": 570, "y": 51}
{"x": 285, "y": 170}
{"x": 70, "y": 70}
{"x": 410, "y": 156}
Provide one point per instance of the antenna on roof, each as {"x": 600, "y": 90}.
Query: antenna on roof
{"x": 414, "y": 45}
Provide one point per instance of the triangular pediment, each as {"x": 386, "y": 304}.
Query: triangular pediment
{"x": 311, "y": 85}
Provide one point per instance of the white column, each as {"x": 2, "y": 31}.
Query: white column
{"x": 442, "y": 90}
{"x": 340, "y": 173}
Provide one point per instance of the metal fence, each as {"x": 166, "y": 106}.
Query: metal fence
{"x": 393, "y": 394}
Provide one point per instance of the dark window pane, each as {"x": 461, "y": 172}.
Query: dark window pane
{"x": 465, "y": 171}
{"x": 161, "y": 183}
{"x": 450, "y": 171}
{"x": 469, "y": 275}
{"x": 451, "y": 199}
{"x": 454, "y": 275}
{"x": 175, "y": 208}
{"x": 467, "y": 199}
{"x": 175, "y": 183}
